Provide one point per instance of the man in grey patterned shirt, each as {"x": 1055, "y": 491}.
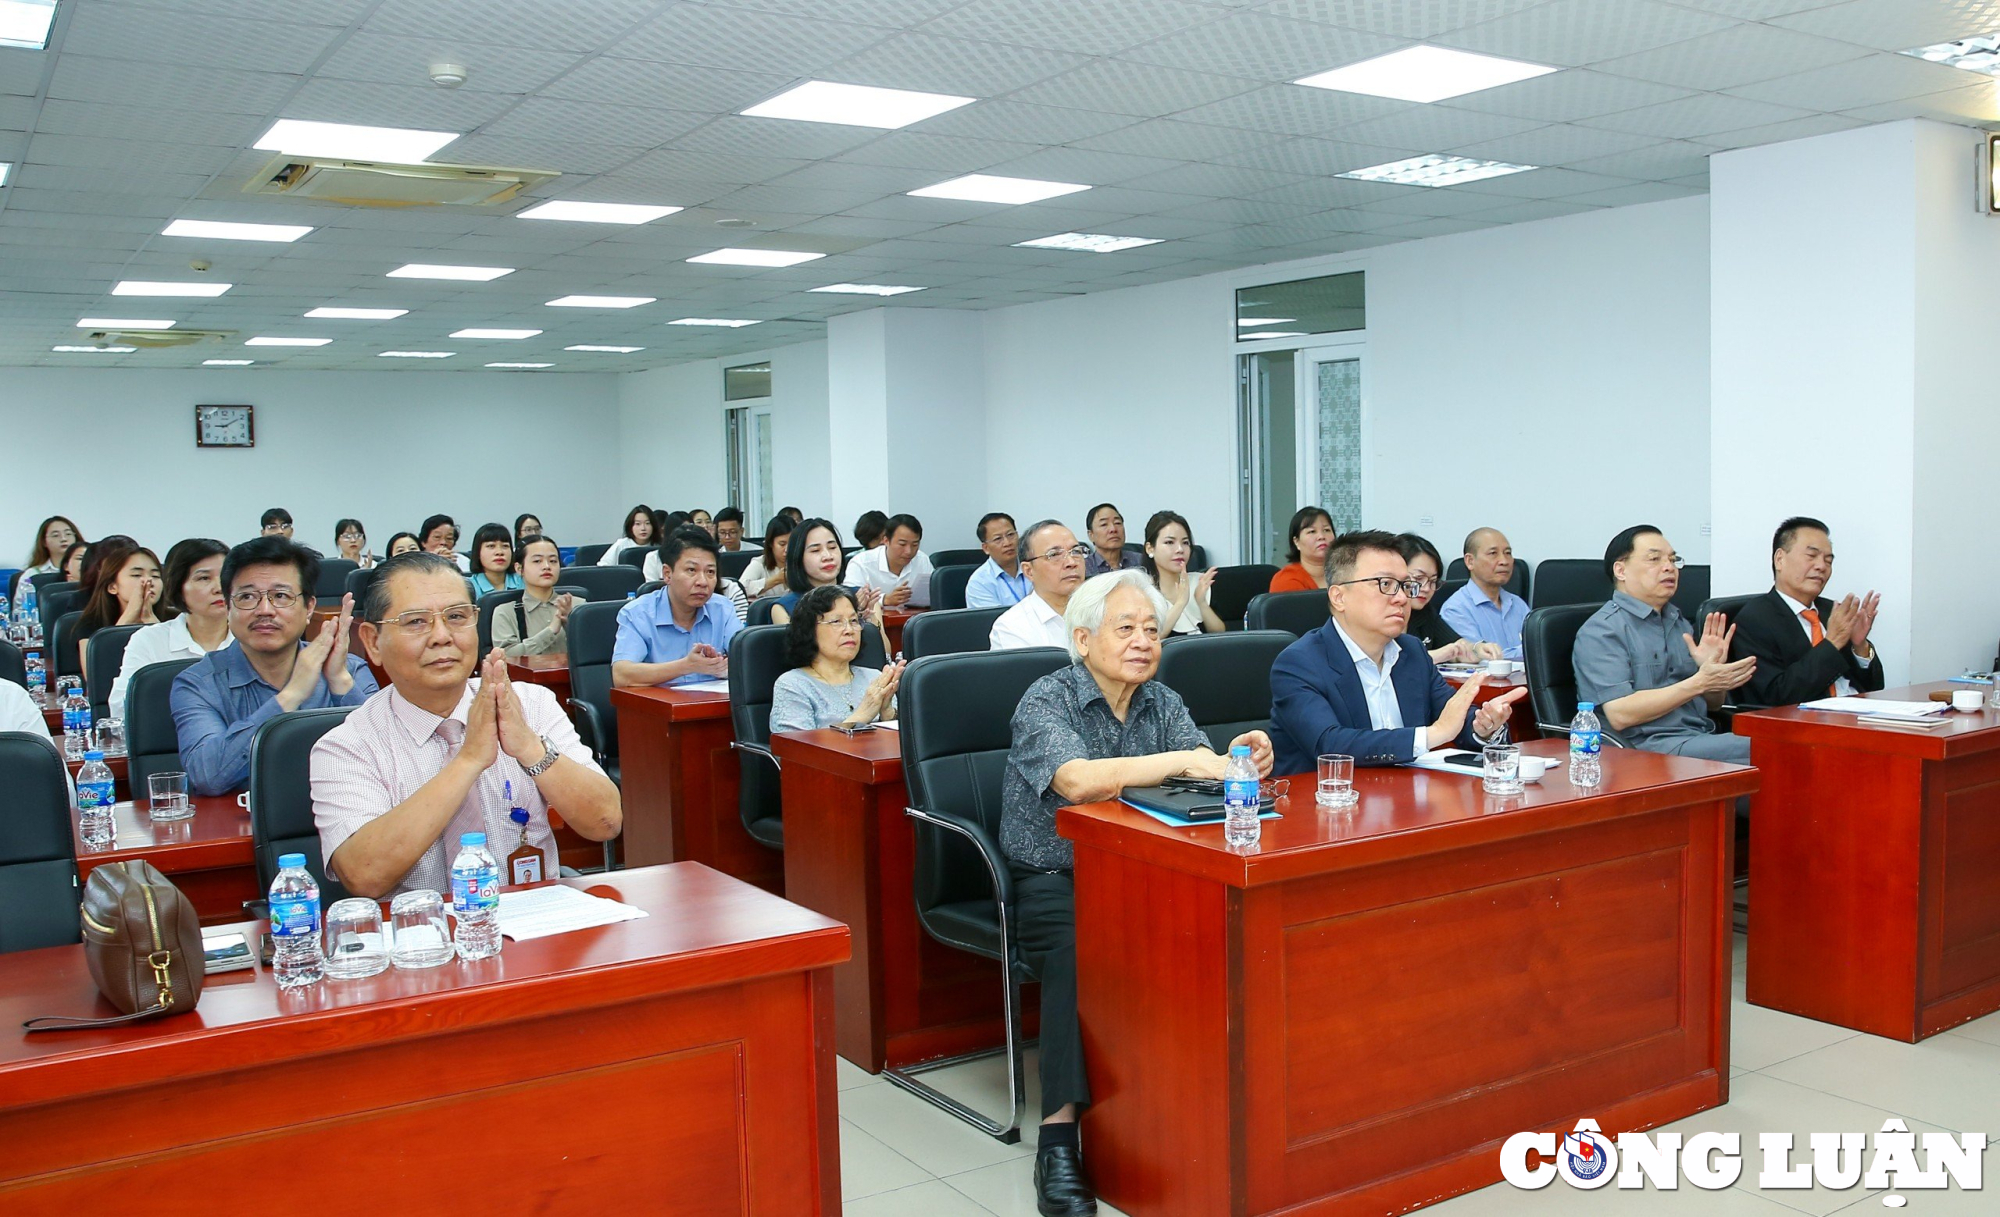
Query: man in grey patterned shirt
{"x": 1082, "y": 735}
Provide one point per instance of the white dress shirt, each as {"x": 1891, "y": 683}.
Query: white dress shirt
{"x": 161, "y": 643}
{"x": 1385, "y": 713}
{"x": 18, "y": 712}
{"x": 1841, "y": 686}
{"x": 870, "y": 568}
{"x": 759, "y": 578}
{"x": 1031, "y": 623}
{"x": 610, "y": 556}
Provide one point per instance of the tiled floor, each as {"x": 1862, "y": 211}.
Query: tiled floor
{"x": 899, "y": 1155}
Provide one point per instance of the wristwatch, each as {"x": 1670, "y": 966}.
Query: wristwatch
{"x": 549, "y": 756}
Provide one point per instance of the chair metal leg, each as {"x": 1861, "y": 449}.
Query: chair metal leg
{"x": 1015, "y": 1048}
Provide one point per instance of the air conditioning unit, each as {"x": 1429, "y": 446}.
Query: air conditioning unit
{"x": 374, "y": 184}
{"x": 156, "y": 339}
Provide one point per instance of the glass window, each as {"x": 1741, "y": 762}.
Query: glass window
{"x": 1330, "y": 304}
{"x": 745, "y": 381}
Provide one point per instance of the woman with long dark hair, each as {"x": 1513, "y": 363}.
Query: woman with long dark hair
{"x": 53, "y": 537}
{"x": 640, "y": 528}
{"x": 813, "y": 559}
{"x": 1169, "y": 549}
{"x": 126, "y": 592}
{"x": 192, "y": 592}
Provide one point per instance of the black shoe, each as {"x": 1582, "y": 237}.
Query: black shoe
{"x": 1061, "y": 1188}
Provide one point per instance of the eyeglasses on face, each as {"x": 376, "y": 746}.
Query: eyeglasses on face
{"x": 418, "y": 622}
{"x": 351, "y": 535}
{"x": 1387, "y": 586}
{"x": 843, "y": 624}
{"x": 1079, "y": 550}
{"x": 247, "y": 600}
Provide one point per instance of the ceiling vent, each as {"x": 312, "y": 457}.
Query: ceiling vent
{"x": 374, "y": 184}
{"x": 155, "y": 339}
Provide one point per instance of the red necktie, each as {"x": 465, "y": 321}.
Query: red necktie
{"x": 1818, "y": 636}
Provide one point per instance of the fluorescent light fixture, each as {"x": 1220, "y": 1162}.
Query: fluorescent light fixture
{"x": 286, "y": 342}
{"x": 75, "y": 350}
{"x": 395, "y": 145}
{"x": 1425, "y": 73}
{"x": 330, "y": 313}
{"x": 1264, "y": 320}
{"x": 601, "y": 301}
{"x": 822, "y": 101}
{"x": 25, "y": 23}
{"x": 6, "y": 167}
{"x": 520, "y": 365}
{"x": 867, "y": 289}
{"x": 756, "y": 257}
{"x": 1087, "y": 242}
{"x": 608, "y": 350}
{"x": 1272, "y": 334}
{"x": 469, "y": 274}
{"x": 729, "y": 323}
{"x": 1977, "y": 54}
{"x": 227, "y": 363}
{"x": 122, "y": 323}
{"x": 1435, "y": 170}
{"x": 596, "y": 213}
{"x": 141, "y": 287}
{"x": 495, "y": 334}
{"x": 986, "y": 188}
{"x": 416, "y": 354}
{"x": 221, "y": 231}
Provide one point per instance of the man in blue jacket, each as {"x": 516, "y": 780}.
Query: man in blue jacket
{"x": 1357, "y": 687}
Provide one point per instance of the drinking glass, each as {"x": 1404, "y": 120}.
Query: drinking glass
{"x": 354, "y": 939}
{"x": 419, "y": 936}
{"x": 65, "y": 685}
{"x": 1993, "y": 692}
{"x": 111, "y": 736}
{"x": 1336, "y": 782}
{"x": 1502, "y": 774}
{"x": 167, "y": 796}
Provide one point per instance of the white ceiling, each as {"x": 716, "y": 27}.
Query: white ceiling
{"x": 1177, "y": 111}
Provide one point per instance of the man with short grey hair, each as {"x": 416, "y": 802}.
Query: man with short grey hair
{"x": 1484, "y": 610}
{"x": 1054, "y": 559}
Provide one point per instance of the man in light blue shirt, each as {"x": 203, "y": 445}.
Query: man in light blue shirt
{"x": 1484, "y": 610}
{"x": 680, "y": 633}
{"x": 1000, "y": 582}
{"x": 221, "y": 700}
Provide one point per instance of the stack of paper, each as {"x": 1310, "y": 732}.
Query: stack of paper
{"x": 1877, "y": 707}
{"x": 556, "y": 909}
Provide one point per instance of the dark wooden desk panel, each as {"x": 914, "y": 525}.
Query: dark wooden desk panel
{"x": 1352, "y": 1015}
{"x": 1521, "y": 727}
{"x": 687, "y": 1053}
{"x": 893, "y": 621}
{"x": 903, "y": 997}
{"x": 208, "y": 857}
{"x": 680, "y": 782}
{"x": 549, "y": 671}
{"x": 1875, "y": 869}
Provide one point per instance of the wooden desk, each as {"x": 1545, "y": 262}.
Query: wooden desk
{"x": 208, "y": 857}
{"x": 893, "y": 621}
{"x": 549, "y": 671}
{"x": 1874, "y": 889}
{"x": 1352, "y": 1015}
{"x": 903, "y": 997}
{"x": 1521, "y": 726}
{"x": 680, "y": 780}
{"x": 686, "y": 1054}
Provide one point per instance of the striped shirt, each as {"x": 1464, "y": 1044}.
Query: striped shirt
{"x": 388, "y": 748}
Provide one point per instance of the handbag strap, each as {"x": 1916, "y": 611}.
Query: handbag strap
{"x": 59, "y": 1022}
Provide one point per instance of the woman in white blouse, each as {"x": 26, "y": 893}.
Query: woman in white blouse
{"x": 767, "y": 573}
{"x": 193, "y": 586}
{"x": 1169, "y": 549}
{"x": 52, "y": 541}
{"x": 638, "y": 531}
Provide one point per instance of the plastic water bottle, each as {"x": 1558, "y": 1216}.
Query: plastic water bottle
{"x": 76, "y": 725}
{"x": 94, "y": 797}
{"x": 475, "y": 898}
{"x": 38, "y": 679}
{"x": 1240, "y": 825}
{"x": 1586, "y": 739}
{"x": 296, "y": 960}
{"x": 25, "y": 607}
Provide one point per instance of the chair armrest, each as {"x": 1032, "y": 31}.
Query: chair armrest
{"x": 593, "y": 732}
{"x": 1561, "y": 731}
{"x": 758, "y": 750}
{"x": 989, "y": 853}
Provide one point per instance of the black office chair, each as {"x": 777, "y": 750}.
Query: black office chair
{"x": 107, "y": 657}
{"x": 602, "y": 582}
{"x": 1198, "y": 560}
{"x": 949, "y": 631}
{"x": 587, "y": 555}
{"x": 731, "y": 565}
{"x": 332, "y": 582}
{"x": 1548, "y": 639}
{"x": 489, "y": 604}
{"x": 357, "y": 584}
{"x": 13, "y": 664}
{"x": 1692, "y": 592}
{"x": 1296, "y": 613}
{"x": 281, "y": 808}
{"x": 1517, "y": 582}
{"x": 760, "y": 609}
{"x": 651, "y": 585}
{"x": 593, "y": 630}
{"x": 63, "y": 657}
{"x": 152, "y": 745}
{"x": 1729, "y": 606}
{"x": 635, "y": 556}
{"x": 756, "y": 660}
{"x": 1235, "y": 587}
{"x": 956, "y": 714}
{"x": 1225, "y": 679}
{"x": 1570, "y": 581}
{"x": 974, "y": 558}
{"x": 55, "y": 599}
{"x": 39, "y": 893}
{"x": 948, "y": 586}
{"x": 1447, "y": 588}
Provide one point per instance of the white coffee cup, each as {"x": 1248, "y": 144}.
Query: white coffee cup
{"x": 1533, "y": 767}
{"x": 1499, "y": 667}
{"x": 1968, "y": 699}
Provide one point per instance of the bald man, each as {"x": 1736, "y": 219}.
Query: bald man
{"x": 1484, "y": 610}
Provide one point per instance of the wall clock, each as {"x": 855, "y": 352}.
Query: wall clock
{"x": 225, "y": 427}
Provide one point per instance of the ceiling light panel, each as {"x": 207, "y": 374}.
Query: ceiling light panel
{"x": 755, "y": 257}
{"x": 220, "y": 231}
{"x": 1435, "y": 170}
{"x": 262, "y": 341}
{"x": 416, "y": 354}
{"x": 25, "y": 23}
{"x": 122, "y": 323}
{"x": 1087, "y": 242}
{"x": 1264, "y": 320}
{"x": 867, "y": 289}
{"x": 396, "y": 145}
{"x": 144, "y": 287}
{"x": 469, "y": 274}
{"x": 520, "y": 365}
{"x": 227, "y": 363}
{"x": 80, "y": 350}
{"x": 6, "y": 168}
{"x": 1979, "y": 54}
{"x": 496, "y": 335}
{"x": 596, "y": 213}
{"x": 731, "y": 323}
{"x": 1425, "y": 73}
{"x": 357, "y": 314}
{"x": 601, "y": 301}
{"x": 988, "y": 188}
{"x": 820, "y": 101}
{"x": 607, "y": 350}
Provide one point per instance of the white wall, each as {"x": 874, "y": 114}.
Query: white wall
{"x": 114, "y": 450}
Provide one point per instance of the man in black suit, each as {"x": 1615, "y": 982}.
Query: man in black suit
{"x": 1806, "y": 645}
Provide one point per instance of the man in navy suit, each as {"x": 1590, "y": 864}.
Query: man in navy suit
{"x": 1356, "y": 686}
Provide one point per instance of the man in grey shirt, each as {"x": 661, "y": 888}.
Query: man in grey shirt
{"x": 1638, "y": 659}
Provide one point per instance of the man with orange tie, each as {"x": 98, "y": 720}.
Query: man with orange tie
{"x": 1806, "y": 645}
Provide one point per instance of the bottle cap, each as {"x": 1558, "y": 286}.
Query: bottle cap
{"x": 291, "y": 861}
{"x": 1585, "y": 705}
{"x": 93, "y": 755}
{"x": 519, "y": 815}
{"x": 473, "y": 838}
{"x": 1239, "y": 750}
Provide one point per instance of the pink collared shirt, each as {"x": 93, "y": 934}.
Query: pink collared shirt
{"x": 388, "y": 748}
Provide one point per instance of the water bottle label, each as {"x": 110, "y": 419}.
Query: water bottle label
{"x": 1239, "y": 794}
{"x": 294, "y": 918}
{"x": 1585, "y": 743}
{"x": 475, "y": 891}
{"x": 90, "y": 795}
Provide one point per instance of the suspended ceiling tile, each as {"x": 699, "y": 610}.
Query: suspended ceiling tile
{"x": 144, "y": 123}
{"x": 948, "y": 154}
{"x": 521, "y": 23}
{"x": 113, "y": 31}
{"x": 1798, "y": 128}
{"x": 668, "y": 86}
{"x": 1740, "y": 55}
{"x": 1215, "y": 181}
{"x": 1175, "y": 140}
{"x": 425, "y": 107}
{"x": 666, "y": 166}
{"x": 167, "y": 87}
{"x": 1114, "y": 86}
{"x": 1292, "y": 110}
{"x": 1897, "y": 25}
{"x": 1567, "y": 96}
{"x": 1978, "y": 102}
{"x": 1571, "y": 33}
{"x": 747, "y": 39}
{"x": 1319, "y": 157}
{"x": 1102, "y": 27}
{"x": 565, "y": 158}
{"x": 1693, "y": 117}
{"x": 548, "y": 118}
{"x": 1541, "y": 209}
{"x": 1556, "y": 183}
{"x": 1562, "y": 144}
{"x": 958, "y": 66}
{"x": 1874, "y": 81}
{"x": 1018, "y": 121}
{"x": 1660, "y": 161}
{"x": 1402, "y": 18}
{"x": 1088, "y": 167}
{"x": 1430, "y": 128}
{"x": 1262, "y": 47}
{"x": 403, "y": 60}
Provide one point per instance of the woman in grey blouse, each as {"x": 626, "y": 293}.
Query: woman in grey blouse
{"x": 824, "y": 688}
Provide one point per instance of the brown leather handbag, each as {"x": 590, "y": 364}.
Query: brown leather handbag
{"x": 142, "y": 941}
